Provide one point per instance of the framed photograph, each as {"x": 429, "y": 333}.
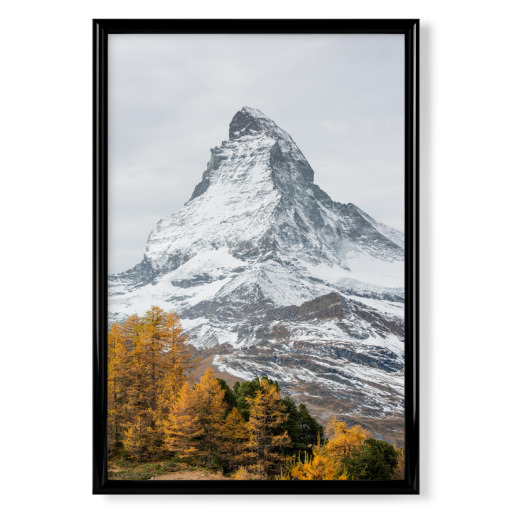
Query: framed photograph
{"x": 256, "y": 256}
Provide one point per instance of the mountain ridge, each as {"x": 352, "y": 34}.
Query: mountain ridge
{"x": 284, "y": 186}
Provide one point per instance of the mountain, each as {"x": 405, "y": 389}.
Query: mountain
{"x": 272, "y": 277}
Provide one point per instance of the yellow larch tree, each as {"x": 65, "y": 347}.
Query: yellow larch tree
{"x": 131, "y": 328}
{"x": 139, "y": 424}
{"x": 319, "y": 466}
{"x": 212, "y": 411}
{"x": 120, "y": 378}
{"x": 343, "y": 440}
{"x": 182, "y": 428}
{"x": 326, "y": 463}
{"x": 149, "y": 360}
{"x": 266, "y": 440}
{"x": 176, "y": 355}
{"x": 136, "y": 436}
{"x": 233, "y": 450}
{"x": 116, "y": 384}
{"x": 175, "y": 361}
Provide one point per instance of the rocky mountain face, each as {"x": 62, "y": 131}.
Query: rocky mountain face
{"x": 272, "y": 277}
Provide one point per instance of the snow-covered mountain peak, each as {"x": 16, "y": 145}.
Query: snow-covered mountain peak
{"x": 257, "y": 226}
{"x": 256, "y": 145}
{"x": 251, "y": 121}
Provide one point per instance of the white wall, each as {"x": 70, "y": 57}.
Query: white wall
{"x": 46, "y": 257}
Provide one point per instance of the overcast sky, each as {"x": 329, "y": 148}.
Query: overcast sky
{"x": 171, "y": 98}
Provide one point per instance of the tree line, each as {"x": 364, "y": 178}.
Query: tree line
{"x": 250, "y": 432}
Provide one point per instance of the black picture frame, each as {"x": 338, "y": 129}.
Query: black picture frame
{"x": 101, "y": 30}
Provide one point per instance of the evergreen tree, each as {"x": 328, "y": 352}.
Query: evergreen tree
{"x": 310, "y": 431}
{"x": 229, "y": 395}
{"x": 247, "y": 390}
{"x": 303, "y": 429}
{"x": 373, "y": 460}
{"x": 399, "y": 471}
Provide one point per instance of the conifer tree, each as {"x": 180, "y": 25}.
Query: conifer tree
{"x": 116, "y": 385}
{"x": 139, "y": 423}
{"x": 149, "y": 360}
{"x": 343, "y": 440}
{"x": 177, "y": 355}
{"x": 246, "y": 390}
{"x": 182, "y": 428}
{"x": 331, "y": 461}
{"x": 373, "y": 460}
{"x": 302, "y": 428}
{"x": 212, "y": 410}
{"x": 135, "y": 438}
{"x": 176, "y": 360}
{"x": 321, "y": 465}
{"x": 122, "y": 375}
{"x": 265, "y": 419}
{"x": 399, "y": 470}
{"x": 131, "y": 328}
{"x": 233, "y": 450}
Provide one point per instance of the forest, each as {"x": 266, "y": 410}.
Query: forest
{"x": 160, "y": 421}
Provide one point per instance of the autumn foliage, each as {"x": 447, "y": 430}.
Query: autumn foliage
{"x": 148, "y": 363}
{"x": 156, "y": 411}
{"x": 328, "y": 461}
{"x": 348, "y": 454}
